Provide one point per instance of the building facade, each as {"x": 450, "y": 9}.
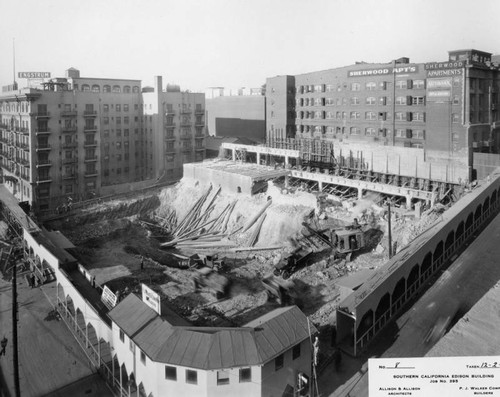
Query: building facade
{"x": 448, "y": 109}
{"x": 76, "y": 138}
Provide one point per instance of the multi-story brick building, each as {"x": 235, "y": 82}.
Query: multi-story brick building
{"x": 77, "y": 138}
{"x": 448, "y": 109}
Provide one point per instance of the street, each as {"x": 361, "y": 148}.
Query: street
{"x": 50, "y": 360}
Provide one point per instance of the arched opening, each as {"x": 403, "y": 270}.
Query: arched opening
{"x": 382, "y": 313}
{"x": 85, "y": 87}
{"x": 116, "y": 88}
{"x": 426, "y": 268}
{"x": 70, "y": 311}
{"x": 80, "y": 324}
{"x": 459, "y": 233}
{"x": 469, "y": 224}
{"x": 486, "y": 207}
{"x": 437, "y": 256}
{"x": 477, "y": 215}
{"x": 92, "y": 343}
{"x": 96, "y": 88}
{"x": 449, "y": 244}
{"x": 105, "y": 350}
{"x": 142, "y": 391}
{"x": 135, "y": 89}
{"x": 106, "y": 88}
{"x": 493, "y": 200}
{"x": 413, "y": 280}
{"x": 398, "y": 295}
{"x": 365, "y": 325}
{"x": 126, "y": 89}
{"x": 132, "y": 385}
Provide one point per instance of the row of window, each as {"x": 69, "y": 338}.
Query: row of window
{"x": 369, "y": 131}
{"x": 354, "y": 115}
{"x": 400, "y": 100}
{"x": 356, "y": 86}
{"x": 108, "y": 88}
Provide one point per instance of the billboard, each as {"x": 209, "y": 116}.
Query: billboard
{"x": 108, "y": 298}
{"x": 34, "y": 75}
{"x": 151, "y": 298}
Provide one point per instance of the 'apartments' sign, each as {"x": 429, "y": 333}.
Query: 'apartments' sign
{"x": 382, "y": 71}
{"x": 34, "y": 75}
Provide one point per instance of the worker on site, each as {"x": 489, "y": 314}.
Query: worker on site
{"x": 3, "y": 343}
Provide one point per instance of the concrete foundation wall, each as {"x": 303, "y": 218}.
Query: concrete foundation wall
{"x": 409, "y": 162}
{"x": 228, "y": 182}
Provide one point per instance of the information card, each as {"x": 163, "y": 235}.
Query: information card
{"x": 434, "y": 376}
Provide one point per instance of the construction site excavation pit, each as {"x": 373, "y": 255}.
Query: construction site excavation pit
{"x": 207, "y": 252}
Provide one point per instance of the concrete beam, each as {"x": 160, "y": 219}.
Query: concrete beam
{"x": 263, "y": 150}
{"x": 363, "y": 185}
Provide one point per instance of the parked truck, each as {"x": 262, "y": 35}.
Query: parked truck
{"x": 283, "y": 292}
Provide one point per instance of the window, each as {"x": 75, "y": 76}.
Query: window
{"x": 344, "y": 101}
{"x": 222, "y": 377}
{"x": 418, "y": 84}
{"x": 455, "y": 118}
{"x": 319, "y": 101}
{"x": 401, "y": 100}
{"x": 106, "y": 88}
{"x": 354, "y": 101}
{"x": 118, "y": 120}
{"x": 191, "y": 377}
{"x": 330, "y": 101}
{"x": 371, "y": 86}
{"x": 344, "y": 115}
{"x": 418, "y": 116}
{"x": 296, "y": 352}
{"x": 131, "y": 345}
{"x": 330, "y": 115}
{"x": 86, "y": 87}
{"x": 418, "y": 134}
{"x": 355, "y": 115}
{"x": 400, "y": 133}
{"x": 96, "y": 88}
{"x": 456, "y": 99}
{"x": 418, "y": 100}
{"x": 170, "y": 372}
{"x": 125, "y": 108}
{"x": 126, "y": 89}
{"x": 370, "y": 100}
{"x": 382, "y": 100}
{"x": 246, "y": 374}
{"x": 118, "y": 108}
{"x": 400, "y": 116}
{"x": 355, "y": 131}
{"x": 371, "y": 131}
{"x": 355, "y": 86}
{"x": 330, "y": 88}
{"x": 105, "y": 120}
{"x": 278, "y": 362}
{"x": 122, "y": 336}
{"x": 126, "y": 132}
{"x": 105, "y": 108}
{"x": 116, "y": 88}
{"x": 401, "y": 84}
{"x": 370, "y": 116}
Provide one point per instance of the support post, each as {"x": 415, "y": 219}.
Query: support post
{"x": 389, "y": 232}
{"x": 233, "y": 154}
{"x": 360, "y": 193}
{"x": 258, "y": 158}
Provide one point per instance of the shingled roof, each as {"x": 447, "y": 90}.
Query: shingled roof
{"x": 211, "y": 348}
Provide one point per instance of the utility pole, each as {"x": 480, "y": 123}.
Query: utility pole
{"x": 389, "y": 232}
{"x": 15, "y": 357}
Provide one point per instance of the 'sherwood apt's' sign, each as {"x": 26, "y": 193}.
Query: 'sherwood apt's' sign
{"x": 383, "y": 71}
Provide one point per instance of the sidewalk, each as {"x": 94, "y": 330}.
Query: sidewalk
{"x": 50, "y": 360}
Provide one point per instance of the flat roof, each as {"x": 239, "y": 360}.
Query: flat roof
{"x": 253, "y": 171}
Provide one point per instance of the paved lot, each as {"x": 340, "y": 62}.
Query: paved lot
{"x": 51, "y": 362}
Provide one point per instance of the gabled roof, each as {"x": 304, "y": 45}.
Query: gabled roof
{"x": 210, "y": 348}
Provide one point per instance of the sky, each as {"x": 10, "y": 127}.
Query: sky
{"x": 233, "y": 43}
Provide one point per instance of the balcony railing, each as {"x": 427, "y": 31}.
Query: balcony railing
{"x": 43, "y": 163}
{"x": 43, "y": 146}
{"x": 170, "y": 112}
{"x": 90, "y": 113}
{"x": 23, "y": 161}
{"x": 91, "y": 173}
{"x": 89, "y": 143}
{"x": 69, "y": 176}
{"x": 90, "y": 128}
{"x": 69, "y": 145}
{"x": 40, "y": 115}
{"x": 199, "y": 111}
{"x": 170, "y": 138}
{"x": 68, "y": 128}
{"x": 170, "y": 125}
{"x": 69, "y": 113}
{"x": 185, "y": 111}
{"x": 69, "y": 161}
{"x": 186, "y": 124}
{"x": 90, "y": 158}
{"x": 186, "y": 136}
{"x": 43, "y": 179}
{"x": 44, "y": 131}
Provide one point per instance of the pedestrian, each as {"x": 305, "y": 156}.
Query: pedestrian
{"x": 142, "y": 263}
{"x": 33, "y": 280}
{"x": 3, "y": 343}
